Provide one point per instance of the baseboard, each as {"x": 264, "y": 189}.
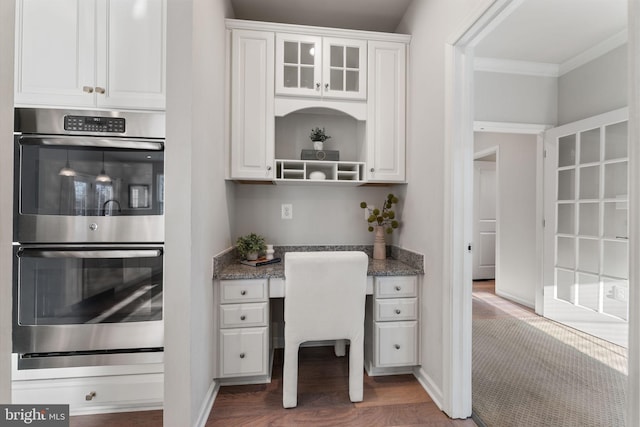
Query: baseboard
{"x": 516, "y": 299}
{"x": 207, "y": 404}
{"x": 429, "y": 386}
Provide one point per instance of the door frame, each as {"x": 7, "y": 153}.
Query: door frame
{"x": 458, "y": 198}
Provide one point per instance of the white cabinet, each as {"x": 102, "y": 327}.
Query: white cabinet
{"x": 243, "y": 328}
{"x": 252, "y": 95}
{"x": 386, "y": 112}
{"x": 316, "y": 66}
{"x": 91, "y": 53}
{"x": 392, "y": 325}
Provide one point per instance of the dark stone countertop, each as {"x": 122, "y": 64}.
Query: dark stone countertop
{"x": 387, "y": 267}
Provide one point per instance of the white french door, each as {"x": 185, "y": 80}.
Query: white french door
{"x": 586, "y": 258}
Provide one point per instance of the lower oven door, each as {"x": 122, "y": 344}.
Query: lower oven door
{"x": 83, "y": 299}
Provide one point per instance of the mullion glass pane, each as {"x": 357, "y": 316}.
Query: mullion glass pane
{"x": 589, "y": 291}
{"x": 567, "y": 151}
{"x": 307, "y": 53}
{"x": 290, "y": 76}
{"x": 337, "y": 56}
{"x": 615, "y": 144}
{"x": 353, "y": 57}
{"x": 590, "y": 146}
{"x": 336, "y": 81}
{"x": 290, "y": 52}
{"x": 590, "y": 182}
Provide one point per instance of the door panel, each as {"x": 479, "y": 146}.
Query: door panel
{"x": 484, "y": 195}
{"x": 586, "y": 259}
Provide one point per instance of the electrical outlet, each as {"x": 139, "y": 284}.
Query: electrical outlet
{"x": 287, "y": 211}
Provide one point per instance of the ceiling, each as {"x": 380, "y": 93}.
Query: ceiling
{"x": 537, "y": 31}
{"x": 370, "y": 15}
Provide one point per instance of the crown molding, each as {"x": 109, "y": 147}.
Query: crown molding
{"x": 594, "y": 52}
{"x": 511, "y": 66}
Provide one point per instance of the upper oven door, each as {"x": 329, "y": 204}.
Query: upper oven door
{"x": 88, "y": 189}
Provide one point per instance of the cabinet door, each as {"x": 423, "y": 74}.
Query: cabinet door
{"x": 344, "y": 69}
{"x": 386, "y": 112}
{"x": 54, "y": 58}
{"x": 252, "y": 95}
{"x": 298, "y": 69}
{"x": 131, "y": 46}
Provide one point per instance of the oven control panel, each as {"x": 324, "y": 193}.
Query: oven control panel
{"x": 94, "y": 124}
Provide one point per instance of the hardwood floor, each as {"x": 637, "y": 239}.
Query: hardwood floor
{"x": 487, "y": 305}
{"x": 323, "y": 400}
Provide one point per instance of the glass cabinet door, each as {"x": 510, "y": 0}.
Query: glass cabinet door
{"x": 298, "y": 70}
{"x": 344, "y": 68}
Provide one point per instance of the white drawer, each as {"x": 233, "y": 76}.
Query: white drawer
{"x": 396, "y": 344}
{"x": 244, "y": 315}
{"x": 244, "y": 352}
{"x": 396, "y": 309}
{"x": 396, "y": 286}
{"x": 245, "y": 290}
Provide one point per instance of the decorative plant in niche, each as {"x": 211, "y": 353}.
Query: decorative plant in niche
{"x": 384, "y": 218}
{"x": 318, "y": 137}
{"x": 251, "y": 245}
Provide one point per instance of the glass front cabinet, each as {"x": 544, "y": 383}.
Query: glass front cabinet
{"x": 320, "y": 66}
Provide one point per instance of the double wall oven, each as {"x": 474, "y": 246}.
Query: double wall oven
{"x": 88, "y": 237}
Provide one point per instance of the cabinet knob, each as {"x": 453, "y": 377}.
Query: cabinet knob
{"x": 398, "y": 288}
{"x": 241, "y": 355}
{"x": 87, "y": 89}
{"x": 398, "y": 311}
{"x": 372, "y": 170}
{"x": 317, "y": 86}
{"x": 268, "y": 168}
{"x": 243, "y": 292}
{"x": 326, "y": 86}
{"x": 100, "y": 90}
{"x": 90, "y": 396}
{"x": 396, "y": 346}
{"x": 243, "y": 317}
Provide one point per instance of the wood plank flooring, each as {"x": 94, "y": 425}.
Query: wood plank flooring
{"x": 323, "y": 400}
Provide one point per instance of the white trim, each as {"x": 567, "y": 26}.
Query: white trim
{"x": 511, "y": 297}
{"x": 633, "y": 390}
{"x": 207, "y": 404}
{"x": 508, "y": 127}
{"x": 512, "y": 66}
{"x": 594, "y": 52}
{"x": 540, "y": 159}
{"x": 429, "y": 386}
{"x": 322, "y": 31}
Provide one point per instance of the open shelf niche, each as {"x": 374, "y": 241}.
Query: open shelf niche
{"x": 348, "y": 136}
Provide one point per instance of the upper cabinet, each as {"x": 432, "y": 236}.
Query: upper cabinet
{"x": 91, "y": 53}
{"x": 314, "y": 66}
{"x": 288, "y": 79}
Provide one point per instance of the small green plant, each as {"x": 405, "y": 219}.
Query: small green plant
{"x": 384, "y": 218}
{"x": 251, "y": 243}
{"x": 318, "y": 134}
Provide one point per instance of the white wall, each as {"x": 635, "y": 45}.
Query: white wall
{"x": 430, "y": 23}
{"x": 594, "y": 88}
{"x": 6, "y": 192}
{"x": 501, "y": 97}
{"x": 516, "y": 211}
{"x": 197, "y": 212}
{"x": 321, "y": 214}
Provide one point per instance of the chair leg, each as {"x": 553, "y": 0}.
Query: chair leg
{"x": 340, "y": 348}
{"x": 290, "y": 376}
{"x": 356, "y": 367}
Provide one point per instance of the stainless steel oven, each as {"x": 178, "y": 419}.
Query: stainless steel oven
{"x": 76, "y": 303}
{"x": 88, "y": 237}
{"x": 88, "y": 176}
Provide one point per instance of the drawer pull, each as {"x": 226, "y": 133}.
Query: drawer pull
{"x": 243, "y": 317}
{"x": 90, "y": 396}
{"x": 398, "y": 288}
{"x": 397, "y": 346}
{"x": 398, "y": 311}
{"x": 241, "y": 355}
{"x": 243, "y": 292}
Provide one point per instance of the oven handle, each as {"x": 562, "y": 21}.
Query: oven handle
{"x": 105, "y": 253}
{"x": 84, "y": 141}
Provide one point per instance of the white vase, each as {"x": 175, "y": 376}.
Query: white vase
{"x": 252, "y": 256}
{"x": 379, "y": 246}
{"x": 317, "y": 145}
{"x": 270, "y": 251}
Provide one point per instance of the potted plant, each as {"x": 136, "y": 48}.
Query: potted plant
{"x": 318, "y": 136}
{"x": 382, "y": 221}
{"x": 250, "y": 246}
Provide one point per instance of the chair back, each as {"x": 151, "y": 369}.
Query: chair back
{"x": 325, "y": 294}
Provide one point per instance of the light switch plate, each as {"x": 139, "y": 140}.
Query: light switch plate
{"x": 287, "y": 211}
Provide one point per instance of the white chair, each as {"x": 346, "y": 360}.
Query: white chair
{"x": 325, "y": 296}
